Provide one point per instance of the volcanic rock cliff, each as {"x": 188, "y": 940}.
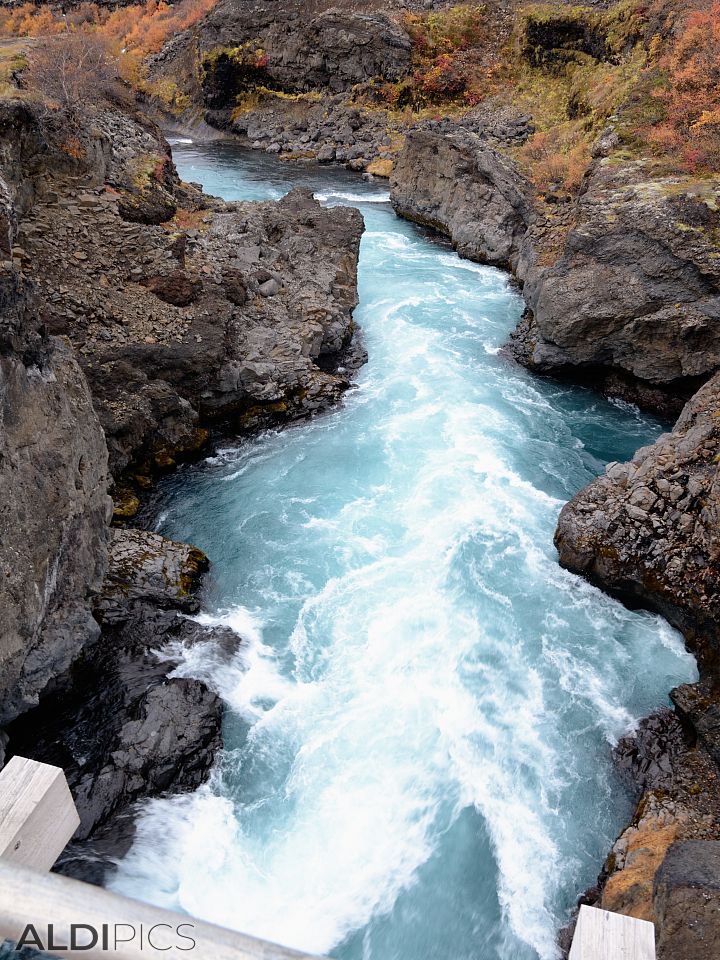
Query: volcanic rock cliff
{"x": 536, "y": 138}
{"x": 134, "y": 311}
{"x": 622, "y": 288}
{"x": 53, "y": 464}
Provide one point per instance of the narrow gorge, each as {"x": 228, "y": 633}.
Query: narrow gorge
{"x": 359, "y": 377}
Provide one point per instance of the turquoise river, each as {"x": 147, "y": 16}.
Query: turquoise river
{"x": 419, "y": 728}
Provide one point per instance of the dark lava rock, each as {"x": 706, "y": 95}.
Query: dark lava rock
{"x": 145, "y": 566}
{"x": 687, "y": 902}
{"x": 698, "y": 705}
{"x": 330, "y": 48}
{"x": 53, "y": 463}
{"x": 235, "y": 289}
{"x": 648, "y": 757}
{"x": 458, "y": 184}
{"x": 176, "y": 288}
{"x": 648, "y": 531}
{"x": 116, "y": 723}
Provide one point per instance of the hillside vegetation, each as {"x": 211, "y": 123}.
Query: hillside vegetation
{"x": 652, "y": 69}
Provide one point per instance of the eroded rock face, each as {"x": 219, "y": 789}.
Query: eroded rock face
{"x": 637, "y": 284}
{"x": 322, "y": 46}
{"x": 53, "y": 467}
{"x": 54, "y": 513}
{"x": 622, "y": 285}
{"x": 647, "y": 530}
{"x": 461, "y": 186}
{"x": 118, "y": 725}
{"x": 678, "y": 784}
{"x": 687, "y": 901}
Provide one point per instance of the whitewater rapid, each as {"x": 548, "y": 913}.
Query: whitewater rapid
{"x": 419, "y": 723}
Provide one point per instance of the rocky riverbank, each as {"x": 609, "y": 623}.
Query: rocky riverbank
{"x": 137, "y": 315}
{"x": 620, "y": 277}
{"x": 622, "y": 285}
{"x": 646, "y": 532}
{"x": 208, "y": 313}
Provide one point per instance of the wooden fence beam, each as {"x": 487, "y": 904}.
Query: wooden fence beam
{"x": 123, "y": 929}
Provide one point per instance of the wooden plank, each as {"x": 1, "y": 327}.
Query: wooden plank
{"x": 37, "y": 813}
{"x": 601, "y": 935}
{"x": 28, "y": 897}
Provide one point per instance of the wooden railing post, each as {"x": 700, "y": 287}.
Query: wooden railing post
{"x": 37, "y": 813}
{"x": 56, "y": 911}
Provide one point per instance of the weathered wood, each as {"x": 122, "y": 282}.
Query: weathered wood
{"x": 28, "y": 897}
{"x": 37, "y": 813}
{"x": 601, "y": 935}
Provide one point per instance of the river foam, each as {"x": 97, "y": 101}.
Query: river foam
{"x": 420, "y": 718}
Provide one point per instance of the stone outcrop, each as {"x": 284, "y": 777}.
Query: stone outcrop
{"x": 116, "y": 723}
{"x": 622, "y": 285}
{"x": 306, "y": 46}
{"x": 461, "y": 186}
{"x": 647, "y": 530}
{"x": 239, "y": 311}
{"x": 332, "y": 130}
{"x": 636, "y": 286}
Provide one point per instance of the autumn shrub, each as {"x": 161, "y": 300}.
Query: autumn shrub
{"x": 28, "y": 20}
{"x": 449, "y": 30}
{"x": 146, "y": 27}
{"x": 443, "y": 61}
{"x": 690, "y": 94}
{"x": 444, "y": 80}
{"x": 142, "y": 28}
{"x": 556, "y": 159}
{"x": 73, "y": 69}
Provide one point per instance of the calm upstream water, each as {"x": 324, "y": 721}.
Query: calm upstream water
{"x": 417, "y": 742}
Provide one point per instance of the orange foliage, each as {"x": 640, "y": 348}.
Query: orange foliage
{"x": 28, "y": 20}
{"x": 138, "y": 30}
{"x": 556, "y": 158}
{"x": 691, "y": 94}
{"x": 145, "y": 28}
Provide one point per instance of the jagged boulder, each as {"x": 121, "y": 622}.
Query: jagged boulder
{"x": 648, "y": 531}
{"x": 458, "y": 184}
{"x": 636, "y": 286}
{"x": 117, "y": 724}
{"x": 687, "y": 901}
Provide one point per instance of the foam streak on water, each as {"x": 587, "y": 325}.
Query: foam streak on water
{"x": 418, "y": 733}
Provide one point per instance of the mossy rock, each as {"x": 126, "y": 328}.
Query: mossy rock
{"x": 380, "y": 167}
{"x": 231, "y": 72}
{"x": 551, "y": 37}
{"x": 126, "y": 502}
